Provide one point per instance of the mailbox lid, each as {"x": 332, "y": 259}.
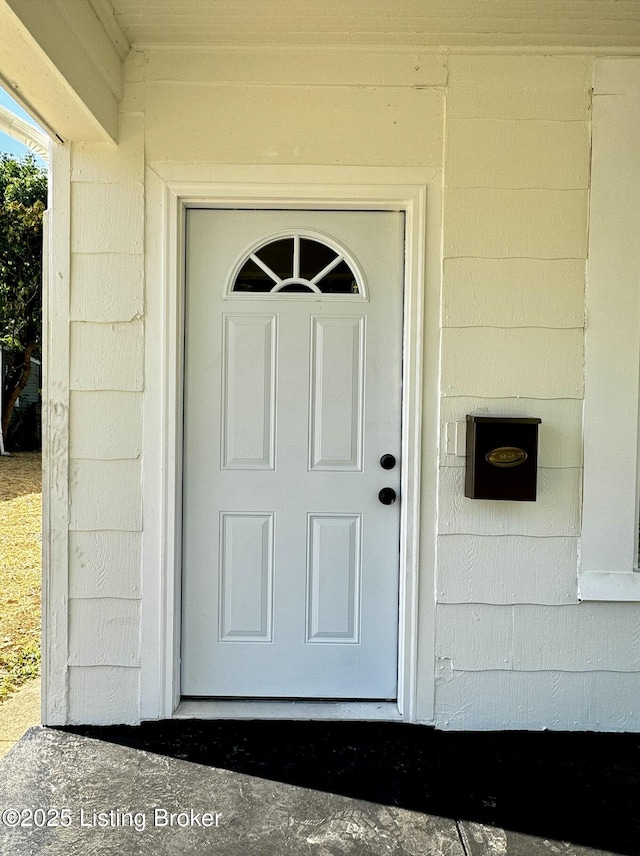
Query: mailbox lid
{"x": 509, "y": 420}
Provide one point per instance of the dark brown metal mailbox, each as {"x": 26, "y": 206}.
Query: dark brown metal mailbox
{"x": 502, "y": 458}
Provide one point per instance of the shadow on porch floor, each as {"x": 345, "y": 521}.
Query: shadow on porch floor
{"x": 425, "y": 792}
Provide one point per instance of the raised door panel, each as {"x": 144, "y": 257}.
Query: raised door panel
{"x": 337, "y": 393}
{"x": 249, "y": 389}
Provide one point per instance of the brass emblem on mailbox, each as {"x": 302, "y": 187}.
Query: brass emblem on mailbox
{"x": 506, "y": 456}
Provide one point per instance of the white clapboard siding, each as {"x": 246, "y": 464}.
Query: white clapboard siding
{"x": 574, "y": 701}
{"x": 105, "y": 495}
{"x": 620, "y": 76}
{"x": 133, "y": 78}
{"x": 513, "y": 293}
{"x": 107, "y": 356}
{"x": 497, "y": 223}
{"x": 104, "y": 632}
{"x": 487, "y": 103}
{"x": 105, "y": 425}
{"x": 515, "y": 214}
{"x": 104, "y": 695}
{"x": 372, "y": 126}
{"x": 134, "y": 97}
{"x": 576, "y": 638}
{"x": 506, "y": 569}
{"x": 559, "y": 434}
{"x": 105, "y": 564}
{"x": 586, "y": 637}
{"x": 107, "y": 218}
{"x": 496, "y": 362}
{"x": 517, "y": 154}
{"x": 555, "y": 512}
{"x": 106, "y": 287}
{"x": 105, "y": 163}
{"x": 555, "y": 73}
{"x": 473, "y": 637}
{"x": 288, "y": 66}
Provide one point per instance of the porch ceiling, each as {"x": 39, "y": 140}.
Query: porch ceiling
{"x": 554, "y": 23}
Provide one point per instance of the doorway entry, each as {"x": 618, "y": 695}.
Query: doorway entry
{"x": 292, "y": 443}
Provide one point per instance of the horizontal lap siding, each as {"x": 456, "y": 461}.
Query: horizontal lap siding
{"x": 527, "y": 638}
{"x": 107, "y": 218}
{"x": 498, "y": 362}
{"x": 540, "y": 103}
{"x": 107, "y": 356}
{"x": 534, "y": 154}
{"x": 104, "y": 695}
{"x": 107, "y": 382}
{"x": 106, "y": 287}
{"x": 105, "y": 564}
{"x": 516, "y": 152}
{"x": 106, "y": 495}
{"x": 106, "y": 425}
{"x": 483, "y": 569}
{"x": 513, "y": 292}
{"x": 512, "y": 641}
{"x": 559, "y": 435}
{"x": 367, "y": 126}
{"x": 397, "y": 118}
{"x": 555, "y": 512}
{"x": 564, "y": 701}
{"x": 104, "y": 632}
{"x": 291, "y": 67}
{"x": 483, "y": 222}
{"x": 522, "y": 73}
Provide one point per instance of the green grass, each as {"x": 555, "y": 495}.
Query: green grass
{"x": 19, "y": 666}
{"x": 20, "y": 570}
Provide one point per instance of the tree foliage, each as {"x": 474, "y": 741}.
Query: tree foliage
{"x": 23, "y": 199}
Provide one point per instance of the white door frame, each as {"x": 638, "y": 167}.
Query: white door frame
{"x": 171, "y": 189}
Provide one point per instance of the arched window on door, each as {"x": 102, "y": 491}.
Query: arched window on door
{"x": 298, "y": 263}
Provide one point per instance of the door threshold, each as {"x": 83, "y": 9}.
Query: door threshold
{"x": 382, "y": 711}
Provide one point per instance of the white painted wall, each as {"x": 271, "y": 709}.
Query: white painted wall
{"x": 514, "y": 647}
{"x": 106, "y": 378}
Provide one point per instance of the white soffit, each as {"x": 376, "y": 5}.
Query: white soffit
{"x": 490, "y": 23}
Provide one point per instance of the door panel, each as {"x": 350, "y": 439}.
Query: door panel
{"x": 290, "y": 562}
{"x": 334, "y": 577}
{"x": 337, "y": 393}
{"x": 246, "y": 577}
{"x": 248, "y": 392}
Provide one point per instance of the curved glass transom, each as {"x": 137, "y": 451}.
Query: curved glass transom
{"x": 296, "y": 264}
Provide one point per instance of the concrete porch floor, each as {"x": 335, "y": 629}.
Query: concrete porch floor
{"x": 318, "y": 789}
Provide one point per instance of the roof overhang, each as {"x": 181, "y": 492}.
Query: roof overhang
{"x": 58, "y": 62}
{"x": 63, "y": 59}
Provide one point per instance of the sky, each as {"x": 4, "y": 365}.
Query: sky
{"x": 7, "y": 143}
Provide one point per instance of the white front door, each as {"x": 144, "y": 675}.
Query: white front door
{"x": 293, "y": 351}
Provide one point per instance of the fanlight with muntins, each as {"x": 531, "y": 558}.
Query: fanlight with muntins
{"x": 300, "y": 264}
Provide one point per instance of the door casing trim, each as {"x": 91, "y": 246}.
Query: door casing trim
{"x": 172, "y": 188}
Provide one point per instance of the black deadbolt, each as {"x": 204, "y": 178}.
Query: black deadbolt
{"x": 387, "y": 496}
{"x": 387, "y": 462}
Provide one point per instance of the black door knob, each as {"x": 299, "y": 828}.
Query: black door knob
{"x": 387, "y": 462}
{"x": 387, "y": 496}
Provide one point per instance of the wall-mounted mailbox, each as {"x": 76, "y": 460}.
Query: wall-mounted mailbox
{"x": 502, "y": 458}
